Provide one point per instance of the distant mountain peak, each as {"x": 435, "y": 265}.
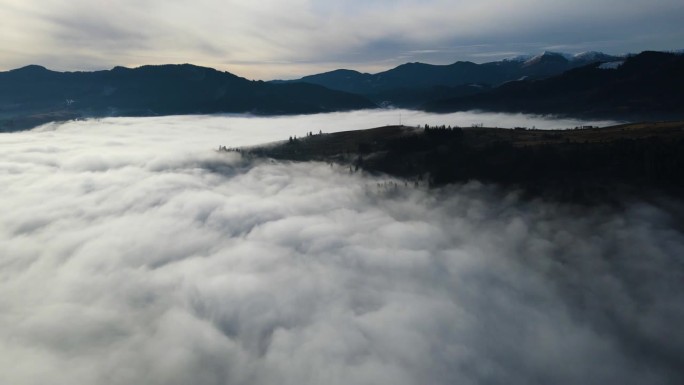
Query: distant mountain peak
{"x": 594, "y": 56}
{"x": 120, "y": 69}
{"x": 31, "y": 68}
{"x": 549, "y": 56}
{"x": 581, "y": 58}
{"x": 412, "y": 64}
{"x": 546, "y": 55}
{"x": 341, "y": 71}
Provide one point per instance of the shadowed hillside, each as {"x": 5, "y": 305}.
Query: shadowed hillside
{"x": 584, "y": 164}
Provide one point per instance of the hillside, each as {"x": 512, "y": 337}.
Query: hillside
{"x": 581, "y": 165}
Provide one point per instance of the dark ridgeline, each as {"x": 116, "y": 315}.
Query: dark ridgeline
{"x": 34, "y": 94}
{"x": 583, "y": 165}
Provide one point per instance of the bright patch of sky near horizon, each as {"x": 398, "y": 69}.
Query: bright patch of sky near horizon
{"x": 277, "y": 39}
{"x": 131, "y": 252}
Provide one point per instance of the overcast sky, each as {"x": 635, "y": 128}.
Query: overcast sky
{"x": 269, "y": 39}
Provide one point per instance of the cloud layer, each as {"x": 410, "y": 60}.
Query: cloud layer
{"x": 131, "y": 252}
{"x": 272, "y": 39}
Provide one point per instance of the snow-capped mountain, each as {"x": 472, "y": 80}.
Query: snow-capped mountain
{"x": 548, "y": 56}
{"x": 581, "y": 58}
{"x": 593, "y": 56}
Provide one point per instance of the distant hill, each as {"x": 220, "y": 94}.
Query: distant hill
{"x": 432, "y": 82}
{"x": 649, "y": 85}
{"x": 33, "y": 93}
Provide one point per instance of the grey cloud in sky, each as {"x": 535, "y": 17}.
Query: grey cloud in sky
{"x": 131, "y": 252}
{"x": 318, "y": 35}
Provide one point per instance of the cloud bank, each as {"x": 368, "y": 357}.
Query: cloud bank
{"x": 131, "y": 252}
{"x": 276, "y": 39}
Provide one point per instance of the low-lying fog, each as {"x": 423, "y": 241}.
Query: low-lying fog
{"x": 131, "y": 252}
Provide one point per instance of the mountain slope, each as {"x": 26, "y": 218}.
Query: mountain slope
{"x": 650, "y": 84}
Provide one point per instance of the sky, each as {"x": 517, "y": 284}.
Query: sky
{"x": 132, "y": 252}
{"x": 271, "y": 39}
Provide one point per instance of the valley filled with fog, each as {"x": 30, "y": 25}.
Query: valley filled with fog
{"x": 131, "y": 251}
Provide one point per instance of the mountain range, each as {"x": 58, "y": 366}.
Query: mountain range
{"x": 646, "y": 85}
{"x": 649, "y": 85}
{"x": 412, "y": 84}
{"x": 34, "y": 94}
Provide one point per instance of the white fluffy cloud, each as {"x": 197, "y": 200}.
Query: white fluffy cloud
{"x": 131, "y": 252}
{"x": 269, "y": 39}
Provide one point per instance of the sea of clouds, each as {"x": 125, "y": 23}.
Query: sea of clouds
{"x": 132, "y": 252}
